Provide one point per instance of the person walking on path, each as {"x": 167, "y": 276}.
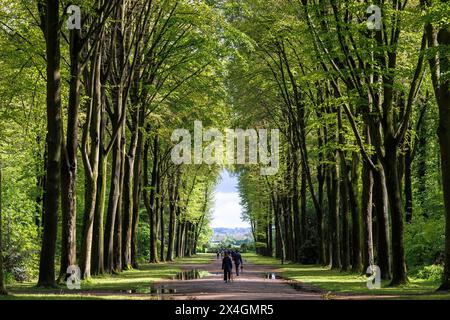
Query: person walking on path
{"x": 237, "y": 261}
{"x": 227, "y": 267}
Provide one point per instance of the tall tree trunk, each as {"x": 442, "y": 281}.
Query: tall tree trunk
{"x": 397, "y": 216}
{"x": 408, "y": 185}
{"x": 368, "y": 258}
{"x": 2, "y": 285}
{"x": 286, "y": 204}
{"x": 296, "y": 209}
{"x": 344, "y": 194}
{"x": 200, "y": 224}
{"x": 303, "y": 203}
{"x": 421, "y": 155}
{"x": 118, "y": 227}
{"x": 279, "y": 209}
{"x": 91, "y": 164}
{"x": 69, "y": 161}
{"x": 137, "y": 195}
{"x": 333, "y": 216}
{"x": 357, "y": 264}
{"x": 98, "y": 244}
{"x": 189, "y": 239}
{"x": 98, "y": 263}
{"x": 150, "y": 200}
{"x": 270, "y": 231}
{"x": 345, "y": 227}
{"x": 381, "y": 208}
{"x": 41, "y": 159}
{"x": 88, "y": 224}
{"x": 157, "y": 207}
{"x": 128, "y": 192}
{"x": 317, "y": 200}
{"x": 178, "y": 233}
{"x": 367, "y": 204}
{"x": 278, "y": 245}
{"x": 54, "y": 130}
{"x": 115, "y": 187}
{"x": 163, "y": 228}
{"x": 183, "y": 239}
{"x": 321, "y": 223}
{"x": 173, "y": 198}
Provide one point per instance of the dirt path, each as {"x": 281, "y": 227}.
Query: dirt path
{"x": 252, "y": 284}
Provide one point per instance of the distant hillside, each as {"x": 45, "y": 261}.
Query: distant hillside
{"x": 237, "y": 233}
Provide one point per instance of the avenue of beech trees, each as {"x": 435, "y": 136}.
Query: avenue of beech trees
{"x": 87, "y": 176}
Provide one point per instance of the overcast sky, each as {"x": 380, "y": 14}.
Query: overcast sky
{"x": 227, "y": 210}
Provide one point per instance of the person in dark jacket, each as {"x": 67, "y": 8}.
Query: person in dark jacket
{"x": 237, "y": 261}
{"x": 227, "y": 267}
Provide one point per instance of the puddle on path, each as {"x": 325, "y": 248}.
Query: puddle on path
{"x": 190, "y": 275}
{"x": 273, "y": 276}
{"x": 131, "y": 291}
{"x": 162, "y": 289}
{"x": 296, "y": 286}
{"x": 157, "y": 290}
{"x": 151, "y": 290}
{"x": 304, "y": 288}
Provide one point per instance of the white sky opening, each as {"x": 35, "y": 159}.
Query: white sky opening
{"x": 227, "y": 209}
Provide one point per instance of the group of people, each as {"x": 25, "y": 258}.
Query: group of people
{"x": 228, "y": 257}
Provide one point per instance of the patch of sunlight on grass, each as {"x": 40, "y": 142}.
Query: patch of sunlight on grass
{"x": 199, "y": 258}
{"x": 257, "y": 259}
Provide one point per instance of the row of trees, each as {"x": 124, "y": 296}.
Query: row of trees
{"x": 355, "y": 108}
{"x": 115, "y": 90}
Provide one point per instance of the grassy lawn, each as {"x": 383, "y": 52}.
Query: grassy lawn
{"x": 349, "y": 283}
{"x": 118, "y": 286}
